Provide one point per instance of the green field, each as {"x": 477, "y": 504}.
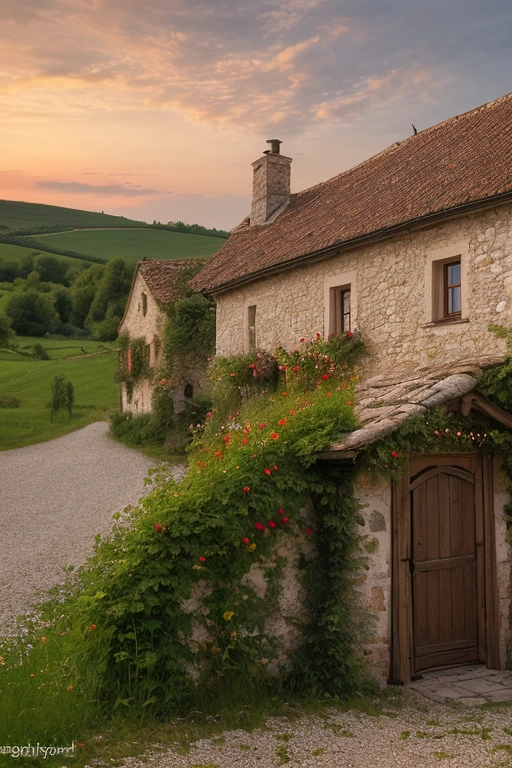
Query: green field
{"x": 134, "y": 244}
{"x": 15, "y": 216}
{"x": 17, "y": 252}
{"x": 30, "y": 381}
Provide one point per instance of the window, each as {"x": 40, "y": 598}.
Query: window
{"x": 144, "y": 304}
{"x": 251, "y": 327}
{"x": 447, "y": 290}
{"x": 341, "y": 309}
{"x": 452, "y": 289}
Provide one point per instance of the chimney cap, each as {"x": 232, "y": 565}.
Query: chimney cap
{"x": 274, "y": 146}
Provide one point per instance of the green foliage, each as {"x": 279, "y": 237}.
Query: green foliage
{"x": 196, "y": 229}
{"x": 166, "y": 593}
{"x": 63, "y": 396}
{"x": 31, "y": 313}
{"x": 6, "y": 332}
{"x": 190, "y": 330}
{"x": 107, "y": 307}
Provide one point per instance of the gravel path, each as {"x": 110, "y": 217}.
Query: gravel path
{"x": 56, "y": 497}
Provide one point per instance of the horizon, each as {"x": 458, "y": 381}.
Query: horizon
{"x": 156, "y": 113}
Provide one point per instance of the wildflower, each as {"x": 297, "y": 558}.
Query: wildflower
{"x": 226, "y": 438}
{"x": 275, "y": 467}
{"x": 158, "y": 527}
{"x": 251, "y": 366}
{"x": 32, "y": 674}
{"x": 245, "y": 440}
{"x": 2, "y": 661}
{"x": 228, "y": 615}
{"x": 218, "y": 454}
{"x": 329, "y": 394}
{"x": 246, "y": 489}
{"x": 281, "y": 511}
{"x": 274, "y": 436}
{"x": 282, "y": 367}
{"x": 262, "y": 425}
{"x": 271, "y": 524}
{"x": 309, "y": 531}
{"x": 232, "y": 374}
{"x": 93, "y": 627}
{"x": 436, "y": 432}
{"x": 267, "y": 471}
{"x": 43, "y": 639}
{"x": 69, "y": 688}
{"x": 301, "y": 341}
{"x": 325, "y": 376}
{"x": 252, "y": 547}
{"x": 282, "y": 422}
{"x": 395, "y": 454}
{"x": 259, "y": 526}
{"x": 447, "y": 430}
{"x": 459, "y": 434}
{"x": 296, "y": 368}
{"x": 285, "y": 394}
{"x": 319, "y": 336}
{"x": 202, "y": 559}
{"x": 292, "y": 412}
{"x": 246, "y": 540}
{"x": 245, "y": 431}
{"x": 285, "y": 520}
{"x": 233, "y": 634}
{"x": 209, "y": 415}
{"x": 350, "y": 335}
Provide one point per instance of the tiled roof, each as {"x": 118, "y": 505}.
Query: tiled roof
{"x": 384, "y": 403}
{"x": 459, "y": 162}
{"x": 161, "y": 276}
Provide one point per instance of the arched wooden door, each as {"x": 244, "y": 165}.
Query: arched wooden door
{"x": 444, "y": 568}
{"x": 444, "y": 595}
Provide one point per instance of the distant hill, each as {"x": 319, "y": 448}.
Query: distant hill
{"x": 97, "y": 237}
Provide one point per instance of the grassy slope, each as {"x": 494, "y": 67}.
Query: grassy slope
{"x": 16, "y": 215}
{"x": 30, "y": 381}
{"x": 135, "y": 244}
{"x": 17, "y": 252}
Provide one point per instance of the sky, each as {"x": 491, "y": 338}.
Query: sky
{"x": 155, "y": 110}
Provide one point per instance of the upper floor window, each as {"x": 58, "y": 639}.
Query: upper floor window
{"x": 144, "y": 304}
{"x": 452, "y": 304}
{"x": 251, "y": 327}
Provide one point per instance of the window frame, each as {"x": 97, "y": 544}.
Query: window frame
{"x": 335, "y": 288}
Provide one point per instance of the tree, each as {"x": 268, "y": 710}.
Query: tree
{"x": 50, "y": 268}
{"x": 109, "y": 302}
{"x": 83, "y": 292}
{"x": 63, "y": 396}
{"x": 5, "y": 330}
{"x": 32, "y": 313}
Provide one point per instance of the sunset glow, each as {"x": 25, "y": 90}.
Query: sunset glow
{"x": 156, "y": 110}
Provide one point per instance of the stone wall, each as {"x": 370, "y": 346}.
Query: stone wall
{"x": 392, "y": 292}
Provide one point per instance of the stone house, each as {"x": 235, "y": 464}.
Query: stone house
{"x": 155, "y": 286}
{"x": 413, "y": 248}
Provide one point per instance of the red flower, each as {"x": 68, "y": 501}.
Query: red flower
{"x": 245, "y": 440}
{"x": 202, "y": 559}
{"x": 285, "y": 520}
{"x": 285, "y": 394}
{"x": 226, "y": 438}
{"x": 395, "y": 454}
{"x": 282, "y": 422}
{"x": 246, "y": 489}
{"x": 319, "y": 335}
{"x": 158, "y": 527}
{"x": 274, "y": 436}
{"x": 267, "y": 471}
{"x": 259, "y": 526}
{"x": 282, "y": 367}
{"x": 262, "y": 425}
{"x": 292, "y": 413}
{"x": 281, "y": 511}
{"x": 296, "y": 368}
{"x": 218, "y": 454}
{"x": 308, "y": 530}
{"x": 246, "y": 540}
{"x": 271, "y": 524}
{"x": 301, "y": 341}
{"x": 209, "y": 415}
{"x": 325, "y": 376}
{"x": 245, "y": 431}
{"x": 350, "y": 335}
{"x": 93, "y": 627}
{"x": 251, "y": 366}
{"x": 275, "y": 467}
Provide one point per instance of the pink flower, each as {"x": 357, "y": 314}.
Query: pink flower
{"x": 459, "y": 434}
{"x": 267, "y": 471}
{"x": 285, "y": 520}
{"x": 436, "y": 432}
{"x": 209, "y": 415}
{"x": 271, "y": 524}
{"x": 259, "y": 526}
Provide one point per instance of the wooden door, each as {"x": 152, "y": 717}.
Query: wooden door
{"x": 444, "y": 568}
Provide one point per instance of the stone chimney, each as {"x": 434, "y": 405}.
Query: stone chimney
{"x": 271, "y": 183}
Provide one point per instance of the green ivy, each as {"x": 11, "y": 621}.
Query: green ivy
{"x": 166, "y": 604}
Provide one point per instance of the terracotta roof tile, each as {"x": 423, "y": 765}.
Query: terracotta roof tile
{"x": 161, "y": 276}
{"x": 463, "y": 160}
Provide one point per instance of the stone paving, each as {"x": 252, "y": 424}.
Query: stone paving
{"x": 470, "y": 685}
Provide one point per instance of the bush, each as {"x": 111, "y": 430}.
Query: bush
{"x": 32, "y": 313}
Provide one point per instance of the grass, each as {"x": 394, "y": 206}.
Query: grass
{"x": 17, "y": 253}
{"x": 30, "y": 381}
{"x": 134, "y": 244}
{"x": 15, "y": 216}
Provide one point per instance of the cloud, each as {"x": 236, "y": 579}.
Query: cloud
{"x": 102, "y": 190}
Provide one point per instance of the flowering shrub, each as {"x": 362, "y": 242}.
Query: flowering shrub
{"x": 192, "y": 544}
